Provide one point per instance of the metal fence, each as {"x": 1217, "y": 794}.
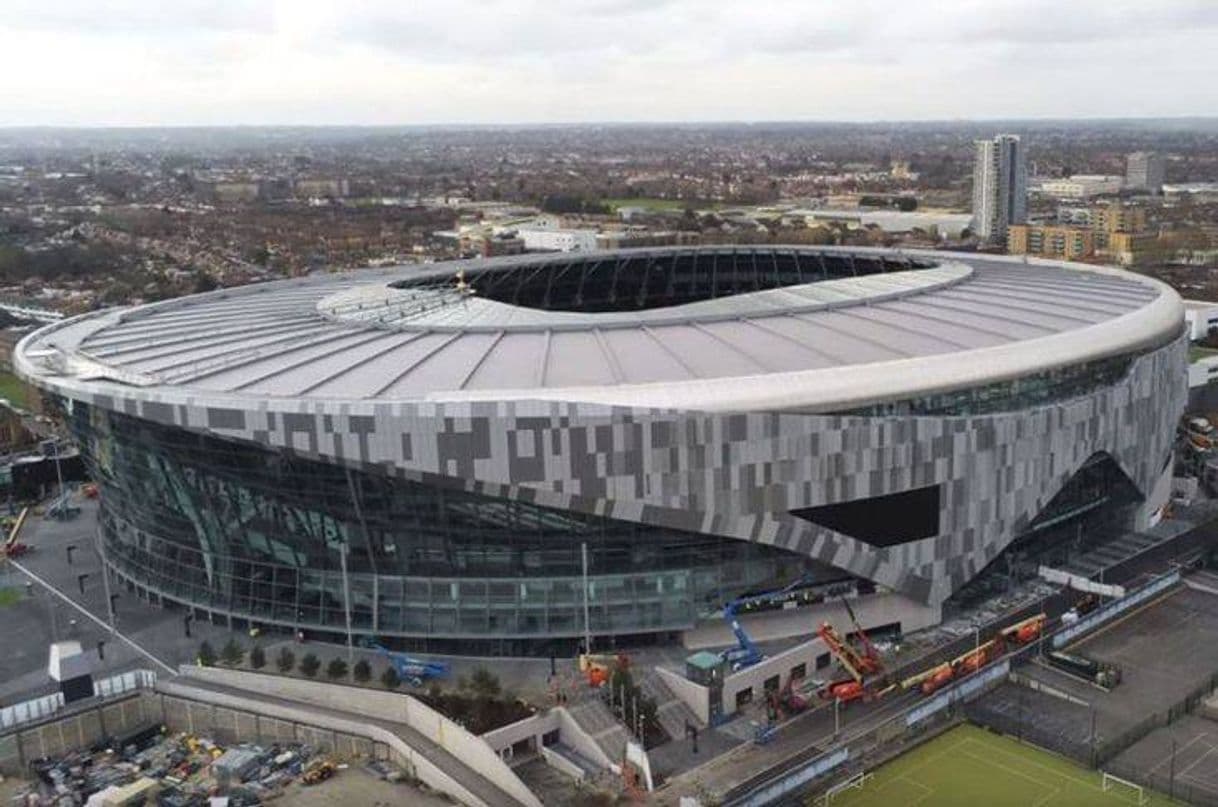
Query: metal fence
{"x": 1165, "y": 783}
{"x": 46, "y": 706}
{"x": 1110, "y": 748}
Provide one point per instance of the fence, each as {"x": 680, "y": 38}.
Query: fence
{"x": 46, "y": 706}
{"x": 794, "y": 779}
{"x": 1165, "y": 783}
{"x": 1110, "y": 748}
{"x": 962, "y": 691}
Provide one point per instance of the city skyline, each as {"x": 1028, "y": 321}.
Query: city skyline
{"x": 271, "y": 63}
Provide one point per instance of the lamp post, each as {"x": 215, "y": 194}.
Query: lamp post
{"x": 587, "y": 611}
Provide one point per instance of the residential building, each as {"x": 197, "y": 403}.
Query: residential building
{"x": 1051, "y": 241}
{"x": 1145, "y": 170}
{"x": 1000, "y": 187}
{"x": 1082, "y": 186}
{"x": 626, "y": 239}
{"x": 1132, "y": 249}
{"x": 556, "y": 240}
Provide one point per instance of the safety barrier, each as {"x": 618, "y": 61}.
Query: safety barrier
{"x": 29, "y": 711}
{"x": 793, "y": 780}
{"x": 958, "y": 692}
{"x": 1114, "y": 609}
{"x": 35, "y": 709}
{"x": 124, "y": 682}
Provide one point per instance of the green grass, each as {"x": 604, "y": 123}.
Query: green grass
{"x": 1196, "y": 353}
{"x": 14, "y": 389}
{"x": 971, "y": 766}
{"x": 9, "y": 596}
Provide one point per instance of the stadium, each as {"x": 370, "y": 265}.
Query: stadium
{"x": 495, "y": 456}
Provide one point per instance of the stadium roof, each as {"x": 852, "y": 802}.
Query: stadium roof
{"x": 711, "y": 328}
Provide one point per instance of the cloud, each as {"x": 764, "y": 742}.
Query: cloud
{"x": 173, "y": 18}
{"x": 436, "y": 61}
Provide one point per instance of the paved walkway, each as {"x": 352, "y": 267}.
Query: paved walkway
{"x": 52, "y": 607}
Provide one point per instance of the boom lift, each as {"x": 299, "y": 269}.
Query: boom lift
{"x": 411, "y": 669}
{"x": 939, "y": 676}
{"x": 746, "y": 653}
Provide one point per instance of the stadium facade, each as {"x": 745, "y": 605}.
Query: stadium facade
{"x": 427, "y": 452}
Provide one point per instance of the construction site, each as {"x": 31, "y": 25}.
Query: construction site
{"x": 782, "y": 696}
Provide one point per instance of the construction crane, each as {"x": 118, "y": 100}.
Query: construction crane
{"x": 872, "y": 655}
{"x": 12, "y": 548}
{"x": 858, "y": 665}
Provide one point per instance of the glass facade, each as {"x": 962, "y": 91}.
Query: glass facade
{"x": 261, "y": 535}
{"x": 1026, "y": 392}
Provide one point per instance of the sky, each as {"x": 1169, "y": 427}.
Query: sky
{"x": 405, "y": 62}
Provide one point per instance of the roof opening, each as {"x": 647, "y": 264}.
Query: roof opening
{"x": 636, "y": 281}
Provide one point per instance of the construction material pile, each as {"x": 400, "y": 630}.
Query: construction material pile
{"x": 183, "y": 770}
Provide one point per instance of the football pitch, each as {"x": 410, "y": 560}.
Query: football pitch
{"x": 972, "y": 766}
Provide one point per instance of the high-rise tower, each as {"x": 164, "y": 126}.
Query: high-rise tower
{"x": 1000, "y": 187}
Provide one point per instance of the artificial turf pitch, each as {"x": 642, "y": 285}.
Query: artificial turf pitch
{"x": 972, "y": 766}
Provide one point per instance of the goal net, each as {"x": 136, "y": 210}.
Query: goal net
{"x": 1116, "y": 784}
{"x": 853, "y": 783}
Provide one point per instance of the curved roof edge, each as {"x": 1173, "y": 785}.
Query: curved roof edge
{"x": 823, "y": 390}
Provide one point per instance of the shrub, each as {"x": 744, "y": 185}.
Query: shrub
{"x": 310, "y": 664}
{"x": 286, "y": 661}
{"x": 207, "y": 655}
{"x": 362, "y": 671}
{"x": 337, "y": 668}
{"x": 257, "y": 657}
{"x": 389, "y": 678}
{"x": 232, "y": 653}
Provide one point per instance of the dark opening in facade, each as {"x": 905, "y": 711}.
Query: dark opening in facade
{"x": 893, "y": 518}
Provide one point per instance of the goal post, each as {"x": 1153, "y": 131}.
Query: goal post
{"x": 853, "y": 783}
{"x": 1110, "y": 782}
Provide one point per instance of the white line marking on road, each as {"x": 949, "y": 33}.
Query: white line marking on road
{"x": 91, "y": 616}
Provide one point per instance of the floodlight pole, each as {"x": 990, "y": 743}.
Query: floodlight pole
{"x": 587, "y": 611}
{"x": 342, "y": 557}
{"x": 105, "y": 574}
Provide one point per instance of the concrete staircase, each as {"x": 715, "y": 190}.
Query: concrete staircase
{"x": 1111, "y": 553}
{"x": 674, "y": 715}
{"x": 594, "y": 717}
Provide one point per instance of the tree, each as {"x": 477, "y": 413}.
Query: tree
{"x": 257, "y": 657}
{"x": 207, "y": 655}
{"x": 286, "y": 661}
{"x": 484, "y": 684}
{"x": 389, "y": 678}
{"x": 336, "y": 669}
{"x": 310, "y": 664}
{"x": 232, "y": 653}
{"x": 204, "y": 282}
{"x": 362, "y": 671}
